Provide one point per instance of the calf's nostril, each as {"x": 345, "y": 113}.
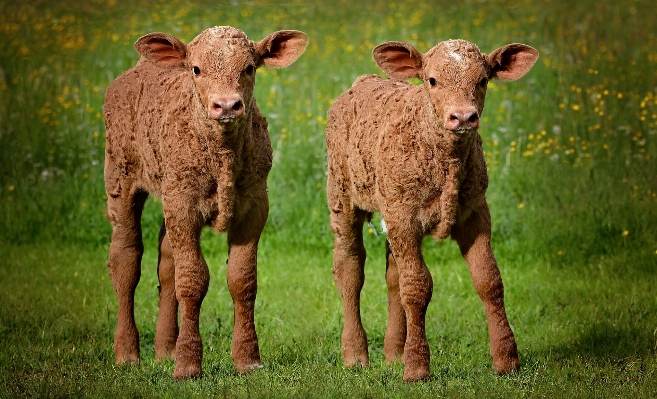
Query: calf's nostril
{"x": 463, "y": 119}
{"x": 225, "y": 108}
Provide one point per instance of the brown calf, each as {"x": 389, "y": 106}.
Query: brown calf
{"x": 183, "y": 125}
{"x": 413, "y": 154}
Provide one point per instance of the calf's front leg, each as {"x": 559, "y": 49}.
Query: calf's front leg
{"x": 474, "y": 240}
{"x": 415, "y": 290}
{"x": 191, "y": 284}
{"x": 242, "y": 276}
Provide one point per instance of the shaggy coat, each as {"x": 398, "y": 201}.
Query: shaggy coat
{"x": 183, "y": 125}
{"x": 413, "y": 154}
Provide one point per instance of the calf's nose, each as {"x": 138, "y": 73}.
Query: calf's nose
{"x": 463, "y": 119}
{"x": 226, "y": 108}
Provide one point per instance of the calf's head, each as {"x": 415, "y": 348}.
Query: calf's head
{"x": 455, "y": 75}
{"x": 222, "y": 62}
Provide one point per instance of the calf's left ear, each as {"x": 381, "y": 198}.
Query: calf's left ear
{"x": 398, "y": 59}
{"x": 162, "y": 49}
{"x": 281, "y": 48}
{"x": 512, "y": 61}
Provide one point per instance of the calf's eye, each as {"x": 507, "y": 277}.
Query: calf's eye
{"x": 432, "y": 81}
{"x": 250, "y": 69}
{"x": 197, "y": 70}
{"x": 483, "y": 82}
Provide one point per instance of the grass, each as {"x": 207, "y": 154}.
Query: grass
{"x": 571, "y": 150}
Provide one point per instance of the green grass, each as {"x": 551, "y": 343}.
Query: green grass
{"x": 572, "y": 156}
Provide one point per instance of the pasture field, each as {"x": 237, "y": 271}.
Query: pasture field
{"x": 572, "y": 156}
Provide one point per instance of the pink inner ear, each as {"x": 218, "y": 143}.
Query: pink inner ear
{"x": 280, "y": 49}
{"x": 161, "y": 49}
{"x": 164, "y": 54}
{"x": 398, "y": 59}
{"x": 512, "y": 61}
{"x": 397, "y": 64}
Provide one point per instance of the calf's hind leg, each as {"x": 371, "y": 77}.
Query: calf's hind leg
{"x": 348, "y": 270}
{"x": 474, "y": 240}
{"x": 166, "y": 332}
{"x": 126, "y": 250}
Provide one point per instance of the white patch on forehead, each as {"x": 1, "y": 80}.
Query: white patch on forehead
{"x": 456, "y": 55}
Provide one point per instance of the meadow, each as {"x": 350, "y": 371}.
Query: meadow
{"x": 571, "y": 150}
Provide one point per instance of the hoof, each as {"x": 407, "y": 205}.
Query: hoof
{"x": 361, "y": 361}
{"x": 127, "y": 359}
{"x": 126, "y": 346}
{"x": 165, "y": 355}
{"x": 416, "y": 375}
{"x": 354, "y": 347}
{"x": 394, "y": 360}
{"x": 355, "y": 358}
{"x": 394, "y": 356}
{"x": 416, "y": 362}
{"x": 126, "y": 356}
{"x": 248, "y": 369}
{"x": 186, "y": 372}
{"x": 507, "y": 366}
{"x": 165, "y": 349}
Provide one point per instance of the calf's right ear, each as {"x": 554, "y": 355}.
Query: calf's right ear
{"x": 512, "y": 61}
{"x": 398, "y": 59}
{"x": 280, "y": 49}
{"x": 162, "y": 49}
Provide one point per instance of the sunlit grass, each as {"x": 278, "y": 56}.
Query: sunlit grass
{"x": 571, "y": 151}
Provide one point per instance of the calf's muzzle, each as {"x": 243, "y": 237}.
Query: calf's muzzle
{"x": 226, "y": 108}
{"x": 462, "y": 119}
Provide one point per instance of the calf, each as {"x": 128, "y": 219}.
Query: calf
{"x": 413, "y": 154}
{"x": 183, "y": 125}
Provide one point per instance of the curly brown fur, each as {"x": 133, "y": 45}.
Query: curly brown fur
{"x": 183, "y": 125}
{"x": 413, "y": 154}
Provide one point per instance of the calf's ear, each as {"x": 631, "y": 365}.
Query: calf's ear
{"x": 512, "y": 61}
{"x": 162, "y": 49}
{"x": 399, "y": 60}
{"x": 280, "y": 49}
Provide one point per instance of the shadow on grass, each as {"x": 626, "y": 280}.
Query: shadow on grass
{"x": 603, "y": 340}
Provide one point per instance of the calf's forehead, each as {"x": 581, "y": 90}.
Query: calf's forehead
{"x": 456, "y": 61}
{"x": 222, "y": 47}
